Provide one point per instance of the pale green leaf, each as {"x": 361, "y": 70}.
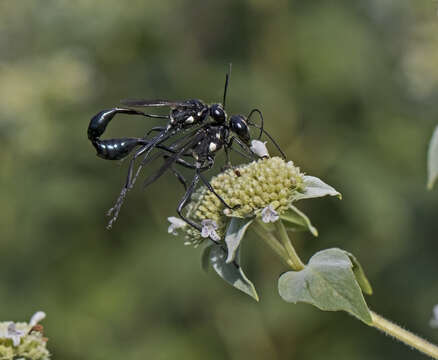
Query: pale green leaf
{"x": 295, "y": 220}
{"x": 235, "y": 231}
{"x": 315, "y": 188}
{"x": 232, "y": 273}
{"x": 328, "y": 283}
{"x": 432, "y": 160}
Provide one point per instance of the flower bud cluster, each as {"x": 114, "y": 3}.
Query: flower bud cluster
{"x": 248, "y": 189}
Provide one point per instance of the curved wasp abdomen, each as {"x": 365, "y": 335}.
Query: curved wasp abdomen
{"x": 117, "y": 149}
{"x": 112, "y": 149}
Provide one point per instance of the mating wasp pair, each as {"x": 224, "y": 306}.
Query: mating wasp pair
{"x": 194, "y": 131}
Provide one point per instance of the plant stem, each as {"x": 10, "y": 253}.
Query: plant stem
{"x": 292, "y": 254}
{"x": 403, "y": 335}
{"x": 284, "y": 248}
{"x": 272, "y": 242}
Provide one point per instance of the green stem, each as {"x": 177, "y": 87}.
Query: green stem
{"x": 272, "y": 242}
{"x": 284, "y": 248}
{"x": 285, "y": 240}
{"x": 404, "y": 336}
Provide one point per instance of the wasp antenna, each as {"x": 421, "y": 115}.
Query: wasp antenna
{"x": 261, "y": 119}
{"x": 227, "y": 79}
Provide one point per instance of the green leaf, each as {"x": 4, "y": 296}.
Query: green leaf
{"x": 328, "y": 283}
{"x": 432, "y": 160}
{"x": 296, "y": 220}
{"x": 232, "y": 273}
{"x": 235, "y": 231}
{"x": 205, "y": 258}
{"x": 314, "y": 188}
{"x": 360, "y": 275}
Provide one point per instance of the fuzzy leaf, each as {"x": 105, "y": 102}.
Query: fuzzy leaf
{"x": 296, "y": 220}
{"x": 432, "y": 160}
{"x": 232, "y": 273}
{"x": 328, "y": 283}
{"x": 235, "y": 231}
{"x": 360, "y": 275}
{"x": 315, "y": 188}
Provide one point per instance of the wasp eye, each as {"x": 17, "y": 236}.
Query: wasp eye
{"x": 218, "y": 113}
{"x": 239, "y": 126}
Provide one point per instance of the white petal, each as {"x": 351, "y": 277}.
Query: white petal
{"x": 315, "y": 188}
{"x": 175, "y": 224}
{"x": 434, "y": 321}
{"x": 435, "y": 312}
{"x": 37, "y": 317}
{"x": 259, "y": 148}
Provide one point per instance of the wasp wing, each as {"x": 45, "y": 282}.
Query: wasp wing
{"x": 171, "y": 159}
{"x": 153, "y": 103}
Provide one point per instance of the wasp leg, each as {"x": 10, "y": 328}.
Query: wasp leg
{"x": 156, "y": 128}
{"x": 129, "y": 183}
{"x": 186, "y": 199}
{"x": 204, "y": 180}
{"x": 209, "y": 187}
{"x": 243, "y": 146}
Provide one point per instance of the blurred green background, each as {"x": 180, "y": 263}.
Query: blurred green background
{"x": 348, "y": 88}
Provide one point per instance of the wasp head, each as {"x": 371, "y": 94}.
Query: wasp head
{"x": 239, "y": 126}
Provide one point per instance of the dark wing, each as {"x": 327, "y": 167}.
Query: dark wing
{"x": 153, "y": 102}
{"x": 177, "y": 153}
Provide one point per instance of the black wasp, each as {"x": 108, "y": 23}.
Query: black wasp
{"x": 201, "y": 130}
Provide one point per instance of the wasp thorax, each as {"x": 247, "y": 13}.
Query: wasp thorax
{"x": 267, "y": 182}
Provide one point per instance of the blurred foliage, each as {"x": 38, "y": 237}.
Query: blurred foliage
{"x": 348, "y": 88}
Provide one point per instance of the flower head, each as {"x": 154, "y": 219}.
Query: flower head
{"x": 23, "y": 340}
{"x": 268, "y": 182}
{"x": 263, "y": 189}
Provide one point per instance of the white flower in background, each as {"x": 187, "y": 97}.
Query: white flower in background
{"x": 175, "y": 224}
{"x": 209, "y": 228}
{"x": 20, "y": 340}
{"x": 434, "y": 321}
{"x": 259, "y": 148}
{"x": 269, "y": 214}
